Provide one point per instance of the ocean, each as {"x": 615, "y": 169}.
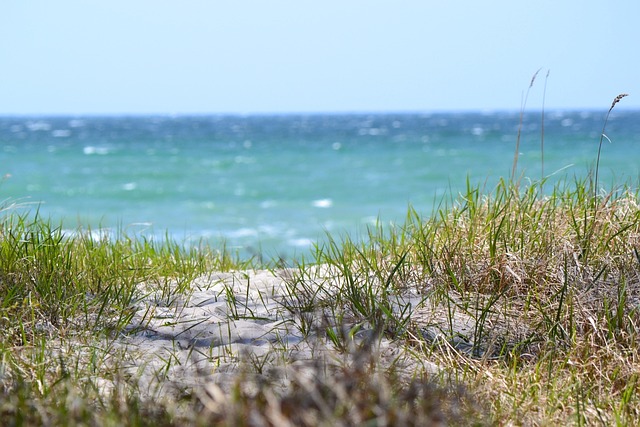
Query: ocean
{"x": 273, "y": 185}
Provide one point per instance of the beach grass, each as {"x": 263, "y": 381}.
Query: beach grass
{"x": 507, "y": 306}
{"x": 526, "y": 303}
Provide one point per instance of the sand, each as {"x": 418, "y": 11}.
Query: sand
{"x": 230, "y": 328}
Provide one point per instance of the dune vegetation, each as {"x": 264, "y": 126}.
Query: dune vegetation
{"x": 507, "y": 306}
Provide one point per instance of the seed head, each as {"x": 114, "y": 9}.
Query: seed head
{"x": 618, "y": 98}
{"x": 533, "y": 79}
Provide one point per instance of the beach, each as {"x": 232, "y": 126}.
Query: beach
{"x": 511, "y": 301}
{"x": 482, "y": 313}
{"x": 229, "y": 323}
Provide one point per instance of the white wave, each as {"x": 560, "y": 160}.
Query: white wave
{"x": 90, "y": 149}
{"x": 243, "y": 232}
{"x": 477, "y": 130}
{"x": 61, "y": 133}
{"x": 75, "y": 123}
{"x": 244, "y": 160}
{"x": 39, "y": 125}
{"x": 270, "y": 230}
{"x": 266, "y": 204}
{"x": 96, "y": 235}
{"x": 322, "y": 203}
{"x": 301, "y": 242}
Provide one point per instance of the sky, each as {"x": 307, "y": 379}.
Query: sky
{"x": 85, "y": 57}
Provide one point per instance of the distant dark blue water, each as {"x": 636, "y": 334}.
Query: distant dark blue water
{"x": 276, "y": 184}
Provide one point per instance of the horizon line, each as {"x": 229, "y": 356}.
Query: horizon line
{"x": 316, "y": 113}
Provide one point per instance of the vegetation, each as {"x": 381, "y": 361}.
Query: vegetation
{"x": 510, "y": 306}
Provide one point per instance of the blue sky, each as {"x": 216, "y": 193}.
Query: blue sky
{"x": 208, "y": 56}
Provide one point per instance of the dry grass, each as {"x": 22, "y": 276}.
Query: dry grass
{"x": 556, "y": 285}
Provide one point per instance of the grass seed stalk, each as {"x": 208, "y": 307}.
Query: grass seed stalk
{"x": 602, "y": 137}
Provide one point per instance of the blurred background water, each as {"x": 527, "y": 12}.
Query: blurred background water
{"x": 274, "y": 185}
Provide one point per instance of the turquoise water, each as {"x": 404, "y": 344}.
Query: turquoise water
{"x": 276, "y": 184}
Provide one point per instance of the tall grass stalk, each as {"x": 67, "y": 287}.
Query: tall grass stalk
{"x": 602, "y": 137}
{"x": 522, "y": 108}
{"x": 544, "y": 96}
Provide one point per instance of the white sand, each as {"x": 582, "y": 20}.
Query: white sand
{"x": 228, "y": 325}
